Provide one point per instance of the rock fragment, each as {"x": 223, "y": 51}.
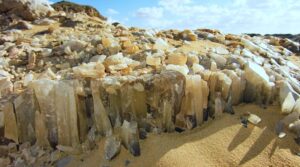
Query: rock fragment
{"x": 112, "y": 147}
{"x": 130, "y": 137}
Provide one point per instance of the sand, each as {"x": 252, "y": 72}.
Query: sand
{"x": 222, "y": 142}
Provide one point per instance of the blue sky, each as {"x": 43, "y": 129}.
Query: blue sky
{"x": 229, "y": 16}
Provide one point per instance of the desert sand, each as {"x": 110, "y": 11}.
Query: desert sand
{"x": 223, "y": 142}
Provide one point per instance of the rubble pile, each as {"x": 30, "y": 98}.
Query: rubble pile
{"x": 69, "y": 79}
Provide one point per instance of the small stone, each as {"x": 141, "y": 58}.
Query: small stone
{"x": 31, "y": 61}
{"x": 281, "y": 135}
{"x": 64, "y": 161}
{"x": 279, "y": 129}
{"x": 134, "y": 148}
{"x": 254, "y": 119}
{"x": 90, "y": 70}
{"x": 98, "y": 58}
{"x": 161, "y": 44}
{"x": 44, "y": 21}
{"x": 182, "y": 69}
{"x": 288, "y": 104}
{"x": 23, "y": 25}
{"x": 68, "y": 150}
{"x": 153, "y": 60}
{"x": 177, "y": 59}
{"x": 131, "y": 49}
{"x": 130, "y": 137}
{"x": 142, "y": 134}
{"x": 112, "y": 147}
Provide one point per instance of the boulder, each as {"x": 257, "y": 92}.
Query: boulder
{"x": 26, "y": 9}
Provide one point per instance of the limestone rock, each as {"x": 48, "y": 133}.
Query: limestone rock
{"x": 45, "y": 94}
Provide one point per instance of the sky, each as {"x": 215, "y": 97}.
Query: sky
{"x": 228, "y": 16}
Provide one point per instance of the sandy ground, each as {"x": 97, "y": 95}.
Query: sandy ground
{"x": 223, "y": 142}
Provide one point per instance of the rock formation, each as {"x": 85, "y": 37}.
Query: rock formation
{"x": 70, "y": 7}
{"x": 68, "y": 87}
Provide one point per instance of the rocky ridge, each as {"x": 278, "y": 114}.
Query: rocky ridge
{"x": 68, "y": 80}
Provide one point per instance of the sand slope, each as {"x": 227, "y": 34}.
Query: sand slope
{"x": 223, "y": 142}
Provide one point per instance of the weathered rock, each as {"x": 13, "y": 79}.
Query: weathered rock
{"x": 112, "y": 147}
{"x": 66, "y": 113}
{"x": 70, "y": 7}
{"x": 219, "y": 59}
{"x": 130, "y": 137}
{"x": 161, "y": 44}
{"x": 98, "y": 58}
{"x": 177, "y": 59}
{"x": 23, "y": 25}
{"x": 258, "y": 86}
{"x": 288, "y": 104}
{"x": 10, "y": 123}
{"x": 90, "y": 70}
{"x": 29, "y": 10}
{"x": 118, "y": 62}
{"x": 44, "y": 21}
{"x": 169, "y": 86}
{"x": 279, "y": 129}
{"x": 153, "y": 60}
{"x": 6, "y": 86}
{"x": 182, "y": 69}
{"x": 100, "y": 116}
{"x": 254, "y": 119}
{"x": 295, "y": 127}
{"x": 219, "y": 108}
{"x": 45, "y": 93}
{"x": 4, "y": 161}
{"x": 68, "y": 150}
{"x": 25, "y": 107}
{"x": 192, "y": 102}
